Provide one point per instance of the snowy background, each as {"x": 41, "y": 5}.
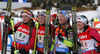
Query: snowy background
{"x": 89, "y": 14}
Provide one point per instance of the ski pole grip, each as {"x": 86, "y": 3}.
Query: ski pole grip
{"x": 37, "y": 25}
{"x": 12, "y": 22}
{"x": 16, "y": 52}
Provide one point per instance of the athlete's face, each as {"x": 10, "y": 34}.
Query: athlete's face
{"x": 25, "y": 18}
{"x": 41, "y": 20}
{"x": 62, "y": 19}
{"x": 80, "y": 25}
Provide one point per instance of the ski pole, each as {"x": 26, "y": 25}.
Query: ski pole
{"x": 37, "y": 26}
{"x": 12, "y": 24}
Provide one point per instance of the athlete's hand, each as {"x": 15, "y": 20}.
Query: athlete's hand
{"x": 98, "y": 49}
{"x": 60, "y": 36}
{"x": 79, "y": 43}
{"x": 22, "y": 51}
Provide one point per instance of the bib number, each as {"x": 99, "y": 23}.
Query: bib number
{"x": 41, "y": 38}
{"x": 21, "y": 37}
{"x": 84, "y": 44}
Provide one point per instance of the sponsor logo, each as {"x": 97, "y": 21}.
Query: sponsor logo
{"x": 83, "y": 37}
{"x": 41, "y": 31}
{"x": 23, "y": 29}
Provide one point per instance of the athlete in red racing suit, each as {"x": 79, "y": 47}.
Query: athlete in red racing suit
{"x": 88, "y": 36}
{"x": 23, "y": 40}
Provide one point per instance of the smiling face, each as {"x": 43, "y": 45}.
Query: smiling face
{"x": 81, "y": 22}
{"x": 62, "y": 19}
{"x": 41, "y": 20}
{"x": 80, "y": 25}
{"x": 25, "y": 18}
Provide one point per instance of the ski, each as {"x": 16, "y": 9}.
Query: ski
{"x": 58, "y": 5}
{"x": 75, "y": 47}
{"x": 47, "y": 36}
{"x": 72, "y": 7}
{"x": 6, "y": 27}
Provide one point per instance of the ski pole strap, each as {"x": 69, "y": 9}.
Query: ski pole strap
{"x": 19, "y": 24}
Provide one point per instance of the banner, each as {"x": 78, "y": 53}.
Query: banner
{"x": 1, "y": 21}
{"x": 10, "y": 40}
{"x": 0, "y": 38}
{"x": 12, "y": 0}
{"x": 97, "y": 26}
{"x": 22, "y": 1}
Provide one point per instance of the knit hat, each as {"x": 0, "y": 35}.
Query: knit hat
{"x": 41, "y": 14}
{"x": 54, "y": 15}
{"x": 65, "y": 14}
{"x": 82, "y": 19}
{"x": 26, "y": 12}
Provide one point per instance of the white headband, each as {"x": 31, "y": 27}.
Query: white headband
{"x": 65, "y": 14}
{"x": 27, "y": 14}
{"x": 82, "y": 19}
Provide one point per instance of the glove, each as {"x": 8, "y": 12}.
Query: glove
{"x": 22, "y": 51}
{"x": 60, "y": 36}
{"x": 98, "y": 49}
{"x": 79, "y": 43}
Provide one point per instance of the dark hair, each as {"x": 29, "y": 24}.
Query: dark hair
{"x": 31, "y": 13}
{"x": 85, "y": 17}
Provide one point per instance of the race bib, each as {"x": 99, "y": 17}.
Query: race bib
{"x": 84, "y": 44}
{"x": 40, "y": 42}
{"x": 60, "y": 44}
{"x": 40, "y": 38}
{"x": 87, "y": 44}
{"x": 21, "y": 37}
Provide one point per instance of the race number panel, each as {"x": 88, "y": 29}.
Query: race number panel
{"x": 84, "y": 44}
{"x": 22, "y": 37}
{"x": 40, "y": 38}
